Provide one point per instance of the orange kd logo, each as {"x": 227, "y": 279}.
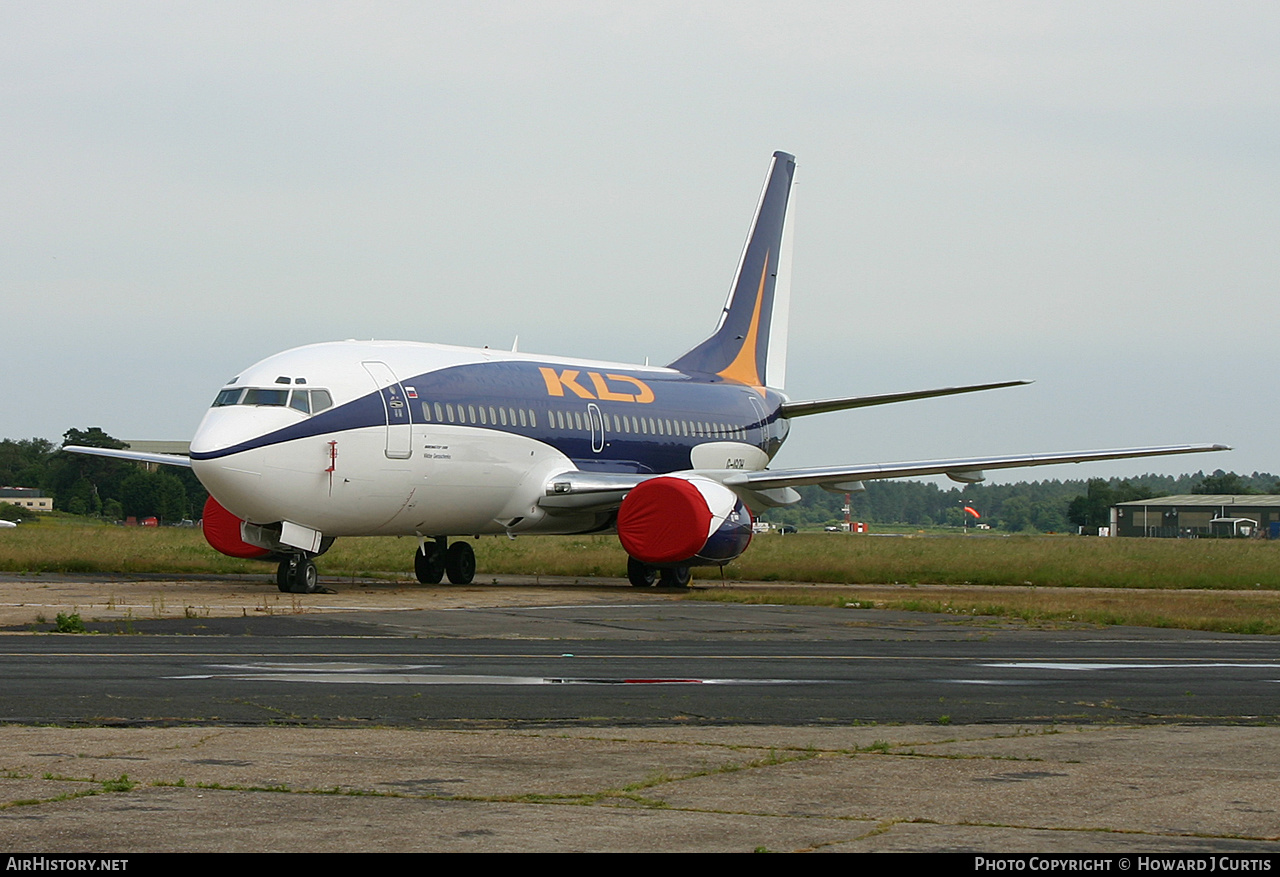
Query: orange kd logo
{"x": 557, "y": 383}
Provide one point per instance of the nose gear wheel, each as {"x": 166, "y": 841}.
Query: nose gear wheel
{"x": 298, "y": 575}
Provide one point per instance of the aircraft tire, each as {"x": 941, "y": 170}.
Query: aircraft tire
{"x": 282, "y": 577}
{"x": 460, "y": 563}
{"x": 641, "y": 575}
{"x": 303, "y": 576}
{"x": 675, "y": 577}
{"x": 428, "y": 564}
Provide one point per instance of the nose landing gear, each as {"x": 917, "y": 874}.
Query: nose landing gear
{"x": 297, "y": 575}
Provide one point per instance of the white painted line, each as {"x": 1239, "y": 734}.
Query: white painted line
{"x": 990, "y": 682}
{"x": 1065, "y": 665}
{"x": 387, "y": 674}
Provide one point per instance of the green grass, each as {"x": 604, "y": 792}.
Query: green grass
{"x": 1049, "y": 561}
{"x": 1227, "y": 612}
{"x": 1043, "y": 561}
{"x": 1038, "y": 579}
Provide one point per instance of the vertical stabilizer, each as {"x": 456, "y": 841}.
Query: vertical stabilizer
{"x": 743, "y": 347}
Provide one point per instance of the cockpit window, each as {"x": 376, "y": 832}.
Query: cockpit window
{"x": 229, "y": 396}
{"x": 304, "y": 401}
{"x": 320, "y": 400}
{"x": 255, "y": 396}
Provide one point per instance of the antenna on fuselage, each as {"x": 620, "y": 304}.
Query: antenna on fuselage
{"x": 515, "y": 345}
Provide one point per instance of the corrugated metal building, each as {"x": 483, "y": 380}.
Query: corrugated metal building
{"x": 1191, "y": 515}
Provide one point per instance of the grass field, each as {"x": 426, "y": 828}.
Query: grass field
{"x": 1153, "y": 582}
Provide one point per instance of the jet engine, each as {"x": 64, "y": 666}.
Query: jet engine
{"x": 683, "y": 521}
{"x": 222, "y": 531}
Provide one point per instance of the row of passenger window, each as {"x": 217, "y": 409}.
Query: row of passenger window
{"x": 306, "y": 401}
{"x": 684, "y": 428}
{"x": 576, "y": 419}
{"x": 488, "y": 416}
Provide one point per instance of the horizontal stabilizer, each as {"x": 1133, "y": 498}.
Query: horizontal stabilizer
{"x": 822, "y": 406}
{"x": 136, "y": 456}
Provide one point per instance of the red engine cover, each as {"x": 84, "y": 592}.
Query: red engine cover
{"x": 664, "y": 520}
{"x": 222, "y": 531}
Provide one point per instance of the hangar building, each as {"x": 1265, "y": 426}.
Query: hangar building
{"x": 1190, "y": 515}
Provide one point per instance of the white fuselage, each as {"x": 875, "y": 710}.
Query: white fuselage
{"x": 361, "y": 466}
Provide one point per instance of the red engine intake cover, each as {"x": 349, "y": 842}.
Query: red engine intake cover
{"x": 222, "y": 531}
{"x": 664, "y": 520}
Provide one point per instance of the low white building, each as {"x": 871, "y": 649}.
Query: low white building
{"x": 26, "y": 498}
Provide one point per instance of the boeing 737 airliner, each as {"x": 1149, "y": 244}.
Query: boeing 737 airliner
{"x": 370, "y": 438}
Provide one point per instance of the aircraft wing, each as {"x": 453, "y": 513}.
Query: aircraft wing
{"x": 963, "y": 469}
{"x": 136, "y": 456}
{"x": 578, "y": 491}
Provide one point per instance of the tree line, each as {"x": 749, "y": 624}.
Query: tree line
{"x": 1025, "y": 506}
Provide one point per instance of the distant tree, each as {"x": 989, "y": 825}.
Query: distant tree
{"x": 81, "y": 498}
{"x": 23, "y": 462}
{"x": 153, "y": 494}
{"x": 1091, "y": 509}
{"x": 1224, "y": 483}
{"x": 80, "y": 483}
{"x": 1049, "y": 516}
{"x": 140, "y": 495}
{"x": 1094, "y": 508}
{"x": 193, "y": 489}
{"x": 93, "y": 437}
{"x": 1126, "y": 492}
{"x": 171, "y": 497}
{"x": 1015, "y": 514}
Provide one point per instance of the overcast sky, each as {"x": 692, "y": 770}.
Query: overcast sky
{"x": 1082, "y": 194}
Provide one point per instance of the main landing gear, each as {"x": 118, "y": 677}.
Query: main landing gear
{"x": 297, "y": 575}
{"x": 642, "y": 575}
{"x": 434, "y": 560}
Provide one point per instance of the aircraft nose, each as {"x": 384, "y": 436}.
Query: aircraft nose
{"x": 222, "y": 431}
{"x": 228, "y": 460}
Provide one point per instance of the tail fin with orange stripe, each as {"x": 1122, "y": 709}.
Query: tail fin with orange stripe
{"x": 749, "y": 345}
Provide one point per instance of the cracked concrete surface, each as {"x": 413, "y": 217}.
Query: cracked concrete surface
{"x": 1162, "y": 788}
